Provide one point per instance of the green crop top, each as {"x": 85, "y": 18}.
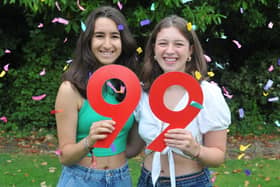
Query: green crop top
{"x": 87, "y": 116}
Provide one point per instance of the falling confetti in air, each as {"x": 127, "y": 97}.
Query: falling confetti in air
{"x": 241, "y": 10}
{"x": 237, "y": 44}
{"x": 41, "y": 25}
{"x": 83, "y": 26}
{"x": 145, "y": 22}
{"x": 43, "y": 72}
{"x": 197, "y": 75}
{"x": 57, "y": 6}
{"x": 139, "y": 50}
{"x": 278, "y": 62}
{"x": 153, "y": 7}
{"x": 80, "y": 7}
{"x": 211, "y": 74}
{"x": 39, "y": 97}
{"x": 4, "y": 119}
{"x": 271, "y": 68}
{"x": 268, "y": 85}
{"x": 241, "y": 156}
{"x": 7, "y": 51}
{"x": 2, "y": 74}
{"x": 185, "y": 1}
{"x": 273, "y": 99}
{"x": 277, "y": 123}
{"x": 58, "y": 152}
{"x": 270, "y": 25}
{"x": 265, "y": 94}
{"x": 120, "y": 5}
{"x": 114, "y": 89}
{"x": 196, "y": 105}
{"x": 244, "y": 147}
{"x": 120, "y": 27}
{"x": 55, "y": 111}
{"x": 60, "y": 20}
{"x": 241, "y": 113}
{"x": 6, "y": 67}
{"x": 189, "y": 26}
{"x": 65, "y": 40}
{"x": 113, "y": 148}
{"x": 207, "y": 58}
{"x": 219, "y": 65}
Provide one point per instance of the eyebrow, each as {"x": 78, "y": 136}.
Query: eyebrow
{"x": 110, "y": 33}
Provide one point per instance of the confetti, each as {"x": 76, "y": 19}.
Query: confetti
{"x": 278, "y": 62}
{"x": 57, "y": 6}
{"x": 120, "y": 27}
{"x": 145, "y": 22}
{"x": 241, "y": 10}
{"x": 115, "y": 90}
{"x": 83, "y": 26}
{"x": 60, "y": 20}
{"x": 4, "y": 119}
{"x": 271, "y": 68}
{"x": 211, "y": 74}
{"x": 207, "y": 58}
{"x": 237, "y": 44}
{"x": 7, "y": 51}
{"x": 226, "y": 93}
{"x": 58, "y": 152}
{"x": 69, "y": 61}
{"x": 39, "y": 97}
{"x": 65, "y": 67}
{"x": 189, "y": 26}
{"x": 268, "y": 85}
{"x": 270, "y": 25}
{"x": 241, "y": 113}
{"x": 65, "y": 40}
{"x": 197, "y": 75}
{"x": 6, "y": 67}
{"x": 185, "y": 1}
{"x": 153, "y": 7}
{"x": 55, "y": 111}
{"x": 120, "y": 5}
{"x": 244, "y": 147}
{"x": 241, "y": 156}
{"x": 219, "y": 65}
{"x": 41, "y": 25}
{"x": 113, "y": 148}
{"x": 196, "y": 105}
{"x": 139, "y": 50}
{"x": 273, "y": 99}
{"x": 80, "y": 7}
{"x": 43, "y": 72}
{"x": 277, "y": 123}
{"x": 2, "y": 74}
{"x": 265, "y": 94}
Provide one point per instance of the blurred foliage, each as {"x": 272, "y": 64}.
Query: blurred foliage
{"x": 243, "y": 70}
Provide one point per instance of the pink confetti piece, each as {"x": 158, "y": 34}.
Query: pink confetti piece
{"x": 237, "y": 44}
{"x": 43, "y": 72}
{"x": 65, "y": 40}
{"x": 241, "y": 10}
{"x": 80, "y": 7}
{"x": 55, "y": 111}
{"x": 58, "y": 152}
{"x": 4, "y": 119}
{"x": 213, "y": 179}
{"x": 39, "y": 97}
{"x": 271, "y": 68}
{"x": 207, "y": 58}
{"x": 115, "y": 90}
{"x": 145, "y": 22}
{"x": 41, "y": 25}
{"x": 7, "y": 51}
{"x": 270, "y": 25}
{"x": 57, "y": 6}
{"x": 60, "y": 20}
{"x": 6, "y": 67}
{"x": 120, "y": 5}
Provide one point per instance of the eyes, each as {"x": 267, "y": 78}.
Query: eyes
{"x": 176, "y": 44}
{"x": 103, "y": 35}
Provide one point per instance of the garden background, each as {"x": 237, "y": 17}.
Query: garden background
{"x": 241, "y": 41}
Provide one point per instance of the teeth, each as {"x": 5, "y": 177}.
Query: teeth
{"x": 170, "y": 59}
{"x": 106, "y": 53}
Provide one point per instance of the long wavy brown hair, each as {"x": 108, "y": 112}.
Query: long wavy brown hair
{"x": 85, "y": 63}
{"x": 151, "y": 70}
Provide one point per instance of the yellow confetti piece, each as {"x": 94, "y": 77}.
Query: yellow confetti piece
{"x": 197, "y": 75}
{"x": 65, "y": 67}
{"x": 211, "y": 74}
{"x": 243, "y": 148}
{"x": 241, "y": 156}
{"x": 2, "y": 74}
{"x": 189, "y": 26}
{"x": 139, "y": 50}
{"x": 265, "y": 94}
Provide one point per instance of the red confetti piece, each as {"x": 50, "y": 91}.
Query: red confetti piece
{"x": 55, "y": 111}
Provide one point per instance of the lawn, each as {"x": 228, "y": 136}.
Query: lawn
{"x": 43, "y": 171}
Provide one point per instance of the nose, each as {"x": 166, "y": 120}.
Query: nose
{"x": 169, "y": 49}
{"x": 107, "y": 42}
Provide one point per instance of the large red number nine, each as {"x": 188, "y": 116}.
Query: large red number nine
{"x": 176, "y": 119}
{"x": 118, "y": 112}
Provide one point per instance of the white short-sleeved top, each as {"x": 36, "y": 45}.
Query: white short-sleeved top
{"x": 215, "y": 115}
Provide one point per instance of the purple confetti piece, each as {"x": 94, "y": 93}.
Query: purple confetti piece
{"x": 145, "y": 22}
{"x": 278, "y": 62}
{"x": 241, "y": 10}
{"x": 120, "y": 27}
{"x": 268, "y": 85}
{"x": 241, "y": 113}
{"x": 247, "y": 172}
{"x": 113, "y": 147}
{"x": 273, "y": 99}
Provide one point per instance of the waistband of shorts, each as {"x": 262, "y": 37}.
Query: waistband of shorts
{"x": 178, "y": 178}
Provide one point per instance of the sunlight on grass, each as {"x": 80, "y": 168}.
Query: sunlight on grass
{"x": 44, "y": 170}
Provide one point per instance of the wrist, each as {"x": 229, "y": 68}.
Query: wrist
{"x": 196, "y": 156}
{"x": 86, "y": 144}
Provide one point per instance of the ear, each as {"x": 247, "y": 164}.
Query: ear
{"x": 191, "y": 48}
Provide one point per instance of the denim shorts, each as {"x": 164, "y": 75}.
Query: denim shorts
{"x": 78, "y": 176}
{"x": 199, "y": 179}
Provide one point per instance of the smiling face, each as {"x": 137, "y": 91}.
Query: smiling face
{"x": 106, "y": 41}
{"x": 172, "y": 50}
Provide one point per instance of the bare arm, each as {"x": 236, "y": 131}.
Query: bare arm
{"x": 134, "y": 142}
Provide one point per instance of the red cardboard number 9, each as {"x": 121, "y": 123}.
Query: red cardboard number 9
{"x": 176, "y": 119}
{"x": 118, "y": 112}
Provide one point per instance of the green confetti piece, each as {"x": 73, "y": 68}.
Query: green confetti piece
{"x": 83, "y": 26}
{"x": 196, "y": 105}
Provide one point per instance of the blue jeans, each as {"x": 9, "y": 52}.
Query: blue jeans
{"x": 78, "y": 176}
{"x": 199, "y": 179}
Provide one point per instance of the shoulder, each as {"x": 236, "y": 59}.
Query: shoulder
{"x": 68, "y": 92}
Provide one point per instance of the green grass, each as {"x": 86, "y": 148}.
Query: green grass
{"x": 43, "y": 170}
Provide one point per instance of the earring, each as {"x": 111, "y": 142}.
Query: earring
{"x": 155, "y": 58}
{"x": 189, "y": 59}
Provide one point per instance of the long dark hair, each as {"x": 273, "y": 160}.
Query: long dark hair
{"x": 151, "y": 70}
{"x": 84, "y": 62}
